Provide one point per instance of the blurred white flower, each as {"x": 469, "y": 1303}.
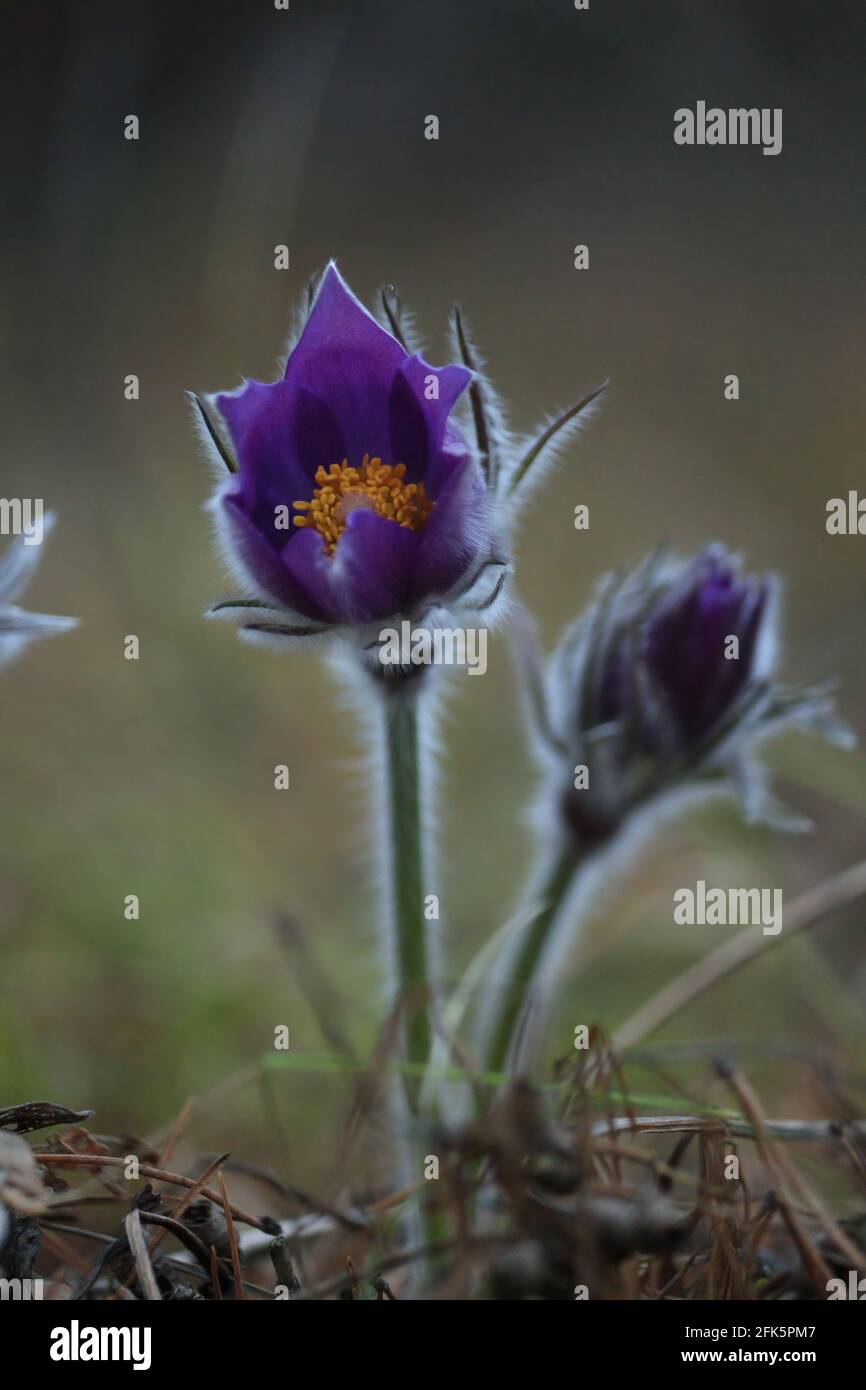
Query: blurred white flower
{"x": 17, "y": 626}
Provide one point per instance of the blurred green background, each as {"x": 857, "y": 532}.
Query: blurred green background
{"x": 261, "y": 127}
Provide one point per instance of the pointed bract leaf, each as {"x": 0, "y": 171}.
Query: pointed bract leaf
{"x": 281, "y": 630}
{"x": 391, "y": 309}
{"x": 230, "y": 607}
{"x": 548, "y": 435}
{"x": 213, "y": 433}
{"x": 484, "y": 588}
{"x": 486, "y": 453}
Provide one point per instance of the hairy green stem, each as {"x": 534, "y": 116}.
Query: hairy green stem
{"x": 406, "y": 873}
{"x": 509, "y": 1010}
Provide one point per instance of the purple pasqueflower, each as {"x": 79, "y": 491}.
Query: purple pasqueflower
{"x": 355, "y": 496}
{"x": 698, "y": 647}
{"x": 667, "y": 683}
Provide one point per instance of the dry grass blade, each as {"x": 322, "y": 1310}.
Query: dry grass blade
{"x": 807, "y": 911}
{"x": 779, "y": 1161}
{"x": 233, "y": 1239}
{"x": 141, "y": 1255}
{"x": 792, "y": 1131}
{"x": 148, "y": 1170}
{"x": 177, "y": 1130}
{"x": 537, "y": 1198}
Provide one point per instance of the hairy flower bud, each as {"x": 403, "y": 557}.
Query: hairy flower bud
{"x": 666, "y": 683}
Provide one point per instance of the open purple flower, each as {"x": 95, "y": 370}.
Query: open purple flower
{"x": 355, "y": 497}
{"x": 665, "y": 685}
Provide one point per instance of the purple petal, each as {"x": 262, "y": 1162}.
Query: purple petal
{"x": 281, "y": 434}
{"x": 455, "y": 533}
{"x": 369, "y": 575}
{"x": 266, "y": 566}
{"x": 347, "y": 359}
{"x": 685, "y": 639}
{"x": 418, "y": 425}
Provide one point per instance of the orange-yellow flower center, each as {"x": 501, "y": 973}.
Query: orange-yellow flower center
{"x": 379, "y": 487}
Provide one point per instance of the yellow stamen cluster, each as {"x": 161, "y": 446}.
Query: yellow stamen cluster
{"x": 376, "y": 486}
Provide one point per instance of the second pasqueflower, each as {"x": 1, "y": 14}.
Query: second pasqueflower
{"x": 667, "y": 684}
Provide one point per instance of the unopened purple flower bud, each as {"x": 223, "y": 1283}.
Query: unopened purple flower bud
{"x": 702, "y": 640}
{"x": 666, "y": 684}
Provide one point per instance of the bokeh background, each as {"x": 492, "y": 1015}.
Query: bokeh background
{"x": 261, "y": 127}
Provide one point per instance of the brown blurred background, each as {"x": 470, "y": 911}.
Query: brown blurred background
{"x": 155, "y": 257}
